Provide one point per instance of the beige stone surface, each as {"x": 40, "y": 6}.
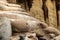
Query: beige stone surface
{"x": 4, "y": 6}
{"x": 26, "y": 23}
{"x": 51, "y": 13}
{"x": 59, "y": 19}
{"x": 5, "y": 28}
{"x": 36, "y": 10}
{"x": 11, "y": 1}
{"x": 31, "y": 35}
{"x": 56, "y": 38}
{"x": 4, "y": 0}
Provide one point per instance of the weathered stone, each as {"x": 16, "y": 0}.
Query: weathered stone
{"x": 15, "y": 38}
{"x": 11, "y": 1}
{"x": 52, "y": 13}
{"x": 52, "y": 30}
{"x": 6, "y": 8}
{"x": 17, "y": 12}
{"x": 36, "y": 10}
{"x": 20, "y": 24}
{"x": 4, "y": 0}
{"x": 59, "y": 20}
{"x": 31, "y": 36}
{"x": 26, "y": 23}
{"x": 18, "y": 19}
{"x": 5, "y": 29}
{"x": 9, "y": 4}
{"x": 56, "y": 38}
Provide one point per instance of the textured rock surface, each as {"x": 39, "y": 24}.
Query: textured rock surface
{"x": 5, "y": 29}
{"x": 56, "y": 38}
{"x": 4, "y": 6}
{"x": 23, "y": 23}
{"x": 59, "y": 20}
{"x": 51, "y": 13}
{"x": 36, "y": 10}
{"x": 11, "y": 8}
{"x": 31, "y": 36}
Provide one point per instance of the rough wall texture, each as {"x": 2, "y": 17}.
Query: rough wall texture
{"x": 48, "y": 14}
{"x": 5, "y": 29}
{"x": 59, "y": 19}
{"x": 36, "y": 10}
{"x": 51, "y": 13}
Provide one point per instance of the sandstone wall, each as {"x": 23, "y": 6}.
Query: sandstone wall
{"x": 51, "y": 13}
{"x": 46, "y": 11}
{"x": 36, "y": 10}
{"x": 59, "y": 19}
